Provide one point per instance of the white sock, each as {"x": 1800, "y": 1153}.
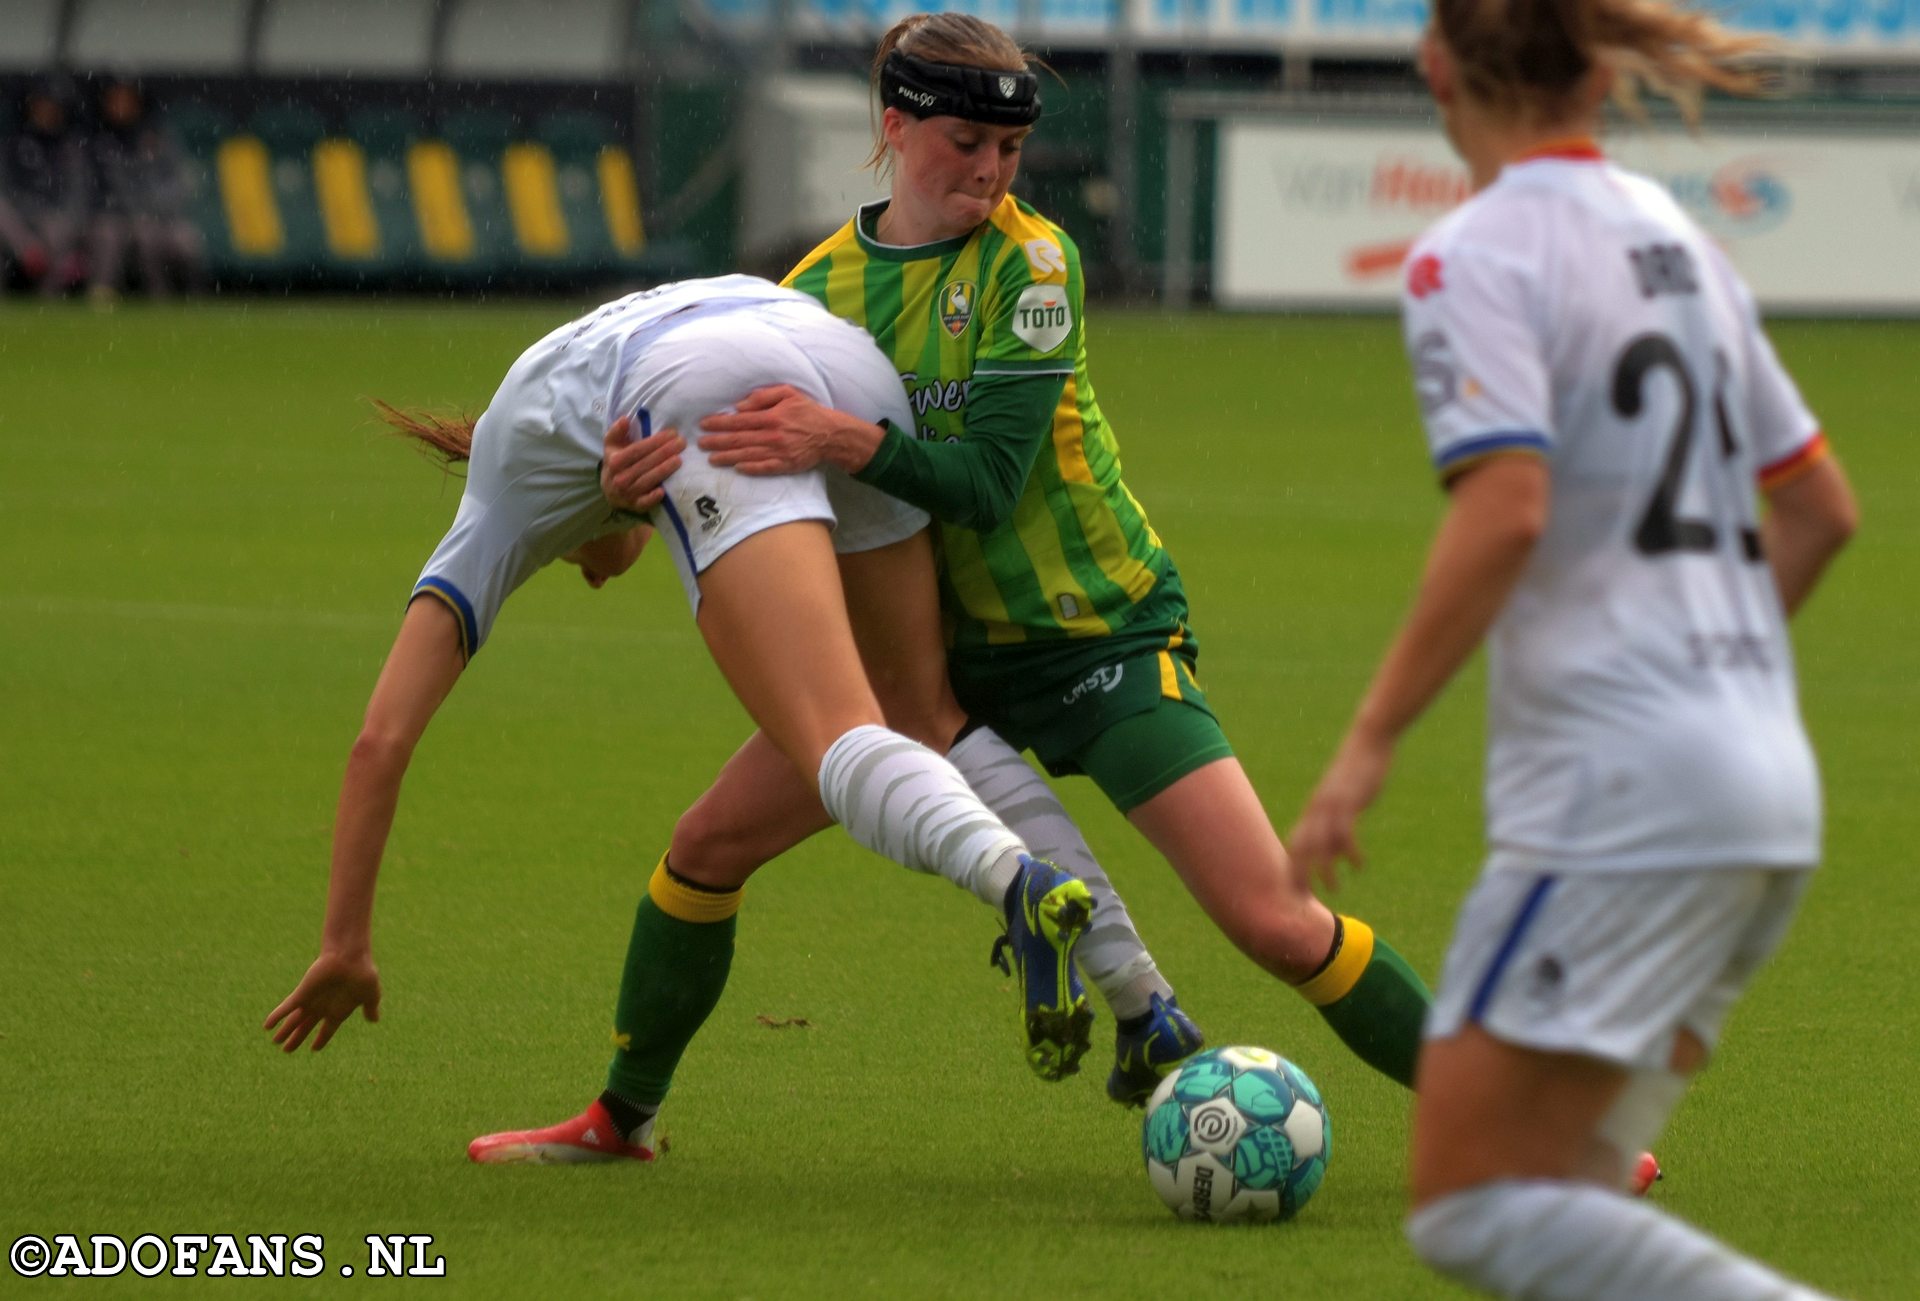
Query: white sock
{"x": 1557, "y": 1241}
{"x": 900, "y": 799}
{"x": 1111, "y": 954}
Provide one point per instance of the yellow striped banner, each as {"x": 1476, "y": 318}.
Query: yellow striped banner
{"x": 246, "y": 194}
{"x": 533, "y": 197}
{"x": 433, "y": 175}
{"x": 620, "y": 200}
{"x": 346, "y": 209}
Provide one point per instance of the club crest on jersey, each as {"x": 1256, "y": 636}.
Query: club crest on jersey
{"x": 956, "y": 307}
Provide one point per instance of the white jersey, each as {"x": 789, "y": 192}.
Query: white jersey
{"x": 1643, "y": 712}
{"x": 665, "y": 357}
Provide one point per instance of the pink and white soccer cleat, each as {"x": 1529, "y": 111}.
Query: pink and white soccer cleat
{"x": 589, "y": 1136}
{"x": 1646, "y": 1171}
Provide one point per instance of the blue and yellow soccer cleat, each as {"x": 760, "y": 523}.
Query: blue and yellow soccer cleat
{"x": 1047, "y": 912}
{"x": 1146, "y": 1056}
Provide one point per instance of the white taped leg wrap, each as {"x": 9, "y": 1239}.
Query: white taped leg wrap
{"x": 1111, "y": 954}
{"x": 900, "y": 799}
{"x": 1547, "y": 1240}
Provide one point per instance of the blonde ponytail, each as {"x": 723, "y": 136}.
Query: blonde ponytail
{"x": 1678, "y": 53}
{"x": 1529, "y": 57}
{"x": 446, "y": 439}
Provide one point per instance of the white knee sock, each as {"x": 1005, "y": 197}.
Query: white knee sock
{"x": 1548, "y": 1240}
{"x": 900, "y": 799}
{"x": 1111, "y": 954}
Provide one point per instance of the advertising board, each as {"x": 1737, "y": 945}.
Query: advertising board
{"x": 1322, "y": 215}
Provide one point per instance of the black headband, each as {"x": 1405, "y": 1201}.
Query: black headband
{"x": 927, "y": 89}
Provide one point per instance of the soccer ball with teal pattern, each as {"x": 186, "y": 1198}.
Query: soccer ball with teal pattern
{"x": 1236, "y": 1135}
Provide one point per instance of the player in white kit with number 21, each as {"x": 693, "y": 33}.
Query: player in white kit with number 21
{"x": 1602, "y": 405}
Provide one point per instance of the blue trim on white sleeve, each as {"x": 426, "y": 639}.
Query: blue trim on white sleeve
{"x": 454, "y": 597}
{"x": 1505, "y": 440}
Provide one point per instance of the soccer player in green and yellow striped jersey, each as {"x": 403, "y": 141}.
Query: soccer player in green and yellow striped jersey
{"x": 1067, "y": 621}
{"x": 985, "y": 333}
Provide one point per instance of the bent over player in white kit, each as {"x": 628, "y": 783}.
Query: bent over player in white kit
{"x": 757, "y": 558}
{"x": 1601, "y": 403}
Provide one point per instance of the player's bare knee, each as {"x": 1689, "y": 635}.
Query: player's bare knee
{"x": 1285, "y": 939}
{"x": 708, "y": 849}
{"x": 915, "y": 699}
{"x": 934, "y": 723}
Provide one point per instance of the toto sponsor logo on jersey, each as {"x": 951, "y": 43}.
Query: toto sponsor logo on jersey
{"x": 1041, "y": 318}
{"x": 1745, "y": 197}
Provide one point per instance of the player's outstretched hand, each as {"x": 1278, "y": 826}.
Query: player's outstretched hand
{"x": 774, "y": 430}
{"x": 632, "y": 471}
{"x": 323, "y": 1000}
{"x": 1326, "y": 831}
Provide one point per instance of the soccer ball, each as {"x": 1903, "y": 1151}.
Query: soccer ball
{"x": 1236, "y": 1134}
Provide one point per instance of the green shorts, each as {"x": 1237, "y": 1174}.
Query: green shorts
{"x": 1141, "y": 755}
{"x": 1123, "y": 709}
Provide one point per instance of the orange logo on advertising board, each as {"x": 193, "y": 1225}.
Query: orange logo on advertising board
{"x": 1372, "y": 261}
{"x": 1417, "y": 187}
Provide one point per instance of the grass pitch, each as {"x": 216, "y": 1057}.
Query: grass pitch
{"x": 205, "y": 543}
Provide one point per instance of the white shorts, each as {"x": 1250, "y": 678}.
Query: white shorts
{"x": 1611, "y": 964}
{"x": 709, "y": 362}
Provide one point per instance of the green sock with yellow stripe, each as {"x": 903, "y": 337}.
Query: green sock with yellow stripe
{"x": 677, "y": 964}
{"x": 1373, "y": 1000}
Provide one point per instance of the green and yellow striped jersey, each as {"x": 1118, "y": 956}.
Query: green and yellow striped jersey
{"x": 1007, "y": 299}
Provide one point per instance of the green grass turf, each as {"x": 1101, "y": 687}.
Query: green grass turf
{"x": 204, "y": 547}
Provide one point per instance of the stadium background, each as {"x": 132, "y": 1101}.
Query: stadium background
{"x": 204, "y": 539}
{"x": 512, "y": 144}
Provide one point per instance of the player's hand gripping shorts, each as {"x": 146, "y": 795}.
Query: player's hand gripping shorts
{"x": 708, "y": 363}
